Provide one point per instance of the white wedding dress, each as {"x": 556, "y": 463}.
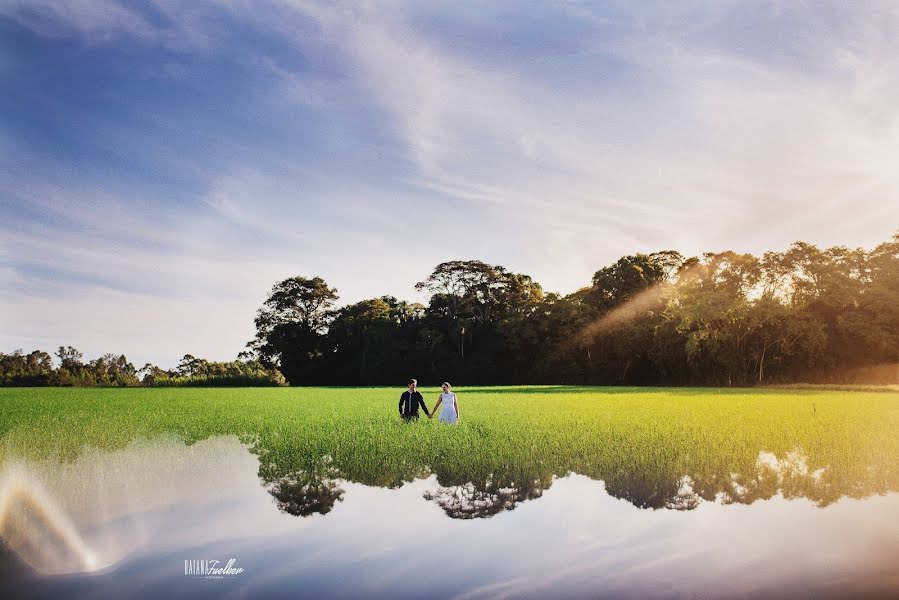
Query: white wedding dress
{"x": 447, "y": 408}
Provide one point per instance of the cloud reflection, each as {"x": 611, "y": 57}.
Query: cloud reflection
{"x": 141, "y": 510}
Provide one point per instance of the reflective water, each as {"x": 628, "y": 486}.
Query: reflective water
{"x": 124, "y": 523}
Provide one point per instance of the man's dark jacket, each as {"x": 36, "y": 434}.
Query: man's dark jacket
{"x": 409, "y": 404}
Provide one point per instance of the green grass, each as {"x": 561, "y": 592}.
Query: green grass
{"x": 640, "y": 441}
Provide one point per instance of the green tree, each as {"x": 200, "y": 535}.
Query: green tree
{"x": 624, "y": 304}
{"x": 33, "y": 369}
{"x": 291, "y": 327}
{"x": 710, "y": 309}
{"x": 476, "y": 306}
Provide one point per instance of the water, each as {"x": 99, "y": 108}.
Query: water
{"x": 124, "y": 523}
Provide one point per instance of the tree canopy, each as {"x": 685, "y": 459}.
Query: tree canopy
{"x": 806, "y": 314}
{"x": 725, "y": 318}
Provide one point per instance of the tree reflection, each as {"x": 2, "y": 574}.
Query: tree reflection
{"x": 302, "y": 492}
{"x": 790, "y": 477}
{"x": 643, "y": 491}
{"x": 489, "y": 496}
{"x": 304, "y": 485}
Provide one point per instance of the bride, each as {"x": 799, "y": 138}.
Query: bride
{"x": 450, "y": 412}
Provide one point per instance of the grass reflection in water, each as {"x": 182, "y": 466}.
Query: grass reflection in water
{"x": 656, "y": 448}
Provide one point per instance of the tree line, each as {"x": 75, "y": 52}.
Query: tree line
{"x": 806, "y": 314}
{"x": 803, "y": 315}
{"x": 37, "y": 369}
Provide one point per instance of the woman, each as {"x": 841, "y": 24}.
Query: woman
{"x": 450, "y": 412}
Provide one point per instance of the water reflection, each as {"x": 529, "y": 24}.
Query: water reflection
{"x": 770, "y": 476}
{"x": 304, "y": 486}
{"x": 89, "y": 514}
{"x": 486, "y": 498}
{"x": 133, "y": 516}
{"x": 303, "y": 492}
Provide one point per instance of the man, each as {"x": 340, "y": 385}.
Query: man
{"x": 410, "y": 400}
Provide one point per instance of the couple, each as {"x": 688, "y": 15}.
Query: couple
{"x": 411, "y": 399}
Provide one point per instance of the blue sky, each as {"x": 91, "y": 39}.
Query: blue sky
{"x": 162, "y": 163}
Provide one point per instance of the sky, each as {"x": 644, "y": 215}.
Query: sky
{"x": 163, "y": 164}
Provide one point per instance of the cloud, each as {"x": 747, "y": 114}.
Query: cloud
{"x": 167, "y": 23}
{"x": 145, "y": 328}
{"x": 94, "y": 18}
{"x": 688, "y": 143}
{"x": 705, "y": 138}
{"x": 368, "y": 143}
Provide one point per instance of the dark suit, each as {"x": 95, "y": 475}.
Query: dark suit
{"x": 409, "y": 404}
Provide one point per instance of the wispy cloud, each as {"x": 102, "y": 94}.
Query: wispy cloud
{"x": 90, "y": 18}
{"x": 704, "y": 138}
{"x": 238, "y": 142}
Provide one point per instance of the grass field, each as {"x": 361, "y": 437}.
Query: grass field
{"x": 734, "y": 444}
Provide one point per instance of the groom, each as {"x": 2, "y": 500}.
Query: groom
{"x": 410, "y": 401}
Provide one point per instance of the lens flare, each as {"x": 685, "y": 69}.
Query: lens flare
{"x": 34, "y": 526}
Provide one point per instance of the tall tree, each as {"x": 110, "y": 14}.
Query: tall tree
{"x": 291, "y": 327}
{"x": 624, "y": 304}
{"x": 711, "y": 311}
{"x": 365, "y": 337}
{"x": 472, "y": 305}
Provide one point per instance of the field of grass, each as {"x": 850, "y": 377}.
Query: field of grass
{"x": 735, "y": 444}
